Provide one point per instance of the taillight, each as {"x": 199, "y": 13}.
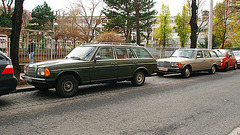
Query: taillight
{"x": 8, "y": 70}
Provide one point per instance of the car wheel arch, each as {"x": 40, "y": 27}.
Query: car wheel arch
{"x": 143, "y": 69}
{"x": 76, "y": 75}
{"x": 188, "y": 65}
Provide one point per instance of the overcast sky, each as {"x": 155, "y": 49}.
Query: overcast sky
{"x": 174, "y": 5}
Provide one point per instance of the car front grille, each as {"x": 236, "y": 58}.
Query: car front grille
{"x": 164, "y": 64}
{"x": 31, "y": 71}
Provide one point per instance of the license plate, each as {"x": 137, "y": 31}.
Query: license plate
{"x": 28, "y": 79}
{"x": 163, "y": 69}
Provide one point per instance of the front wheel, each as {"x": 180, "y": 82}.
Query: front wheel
{"x": 67, "y": 86}
{"x": 213, "y": 69}
{"x": 226, "y": 67}
{"x": 186, "y": 72}
{"x": 138, "y": 78}
{"x": 235, "y": 66}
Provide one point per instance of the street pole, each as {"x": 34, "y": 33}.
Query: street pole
{"x": 210, "y": 25}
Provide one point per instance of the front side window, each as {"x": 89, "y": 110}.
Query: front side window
{"x": 106, "y": 53}
{"x": 199, "y": 54}
{"x": 142, "y": 53}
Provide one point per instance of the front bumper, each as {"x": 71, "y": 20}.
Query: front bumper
{"x": 39, "y": 82}
{"x": 8, "y": 85}
{"x": 169, "y": 70}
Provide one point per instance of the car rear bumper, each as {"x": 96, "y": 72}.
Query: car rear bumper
{"x": 8, "y": 85}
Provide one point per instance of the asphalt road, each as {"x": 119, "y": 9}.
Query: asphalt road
{"x": 203, "y": 104}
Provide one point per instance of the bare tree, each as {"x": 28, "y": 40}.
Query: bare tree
{"x": 86, "y": 20}
{"x": 7, "y": 4}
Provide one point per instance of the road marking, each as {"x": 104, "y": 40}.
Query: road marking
{"x": 235, "y": 131}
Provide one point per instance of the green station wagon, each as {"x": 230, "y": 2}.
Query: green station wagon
{"x": 93, "y": 63}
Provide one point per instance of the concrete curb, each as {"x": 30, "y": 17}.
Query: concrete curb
{"x": 235, "y": 131}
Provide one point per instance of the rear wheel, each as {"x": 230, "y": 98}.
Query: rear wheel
{"x": 186, "y": 72}
{"x": 138, "y": 78}
{"x": 213, "y": 69}
{"x": 67, "y": 86}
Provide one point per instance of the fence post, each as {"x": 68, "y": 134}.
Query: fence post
{"x": 52, "y": 49}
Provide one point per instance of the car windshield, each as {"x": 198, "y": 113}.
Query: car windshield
{"x": 81, "y": 53}
{"x": 236, "y": 53}
{"x": 221, "y": 53}
{"x": 184, "y": 53}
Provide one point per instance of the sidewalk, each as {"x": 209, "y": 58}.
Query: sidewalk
{"x": 23, "y": 85}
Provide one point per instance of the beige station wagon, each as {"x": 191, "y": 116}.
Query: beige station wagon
{"x": 186, "y": 61}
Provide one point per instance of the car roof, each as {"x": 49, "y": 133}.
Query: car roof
{"x": 115, "y": 45}
{"x": 194, "y": 49}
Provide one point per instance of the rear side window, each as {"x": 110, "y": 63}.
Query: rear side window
{"x": 130, "y": 53}
{"x": 121, "y": 53}
{"x": 199, "y": 54}
{"x": 142, "y": 53}
{"x": 213, "y": 54}
{"x": 206, "y": 54}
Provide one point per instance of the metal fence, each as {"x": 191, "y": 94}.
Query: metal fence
{"x": 43, "y": 51}
{"x": 50, "y": 49}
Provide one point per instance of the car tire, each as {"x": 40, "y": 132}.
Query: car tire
{"x": 213, "y": 69}
{"x": 226, "y": 67}
{"x": 138, "y": 78}
{"x": 186, "y": 72}
{"x": 235, "y": 66}
{"x": 67, "y": 86}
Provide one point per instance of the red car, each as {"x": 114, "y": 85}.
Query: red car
{"x": 228, "y": 59}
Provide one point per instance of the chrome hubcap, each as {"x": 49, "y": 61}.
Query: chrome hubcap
{"x": 140, "y": 78}
{"x": 187, "y": 72}
{"x": 68, "y": 86}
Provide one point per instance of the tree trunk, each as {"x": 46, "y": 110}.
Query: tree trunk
{"x": 137, "y": 21}
{"x": 15, "y": 35}
{"x": 193, "y": 23}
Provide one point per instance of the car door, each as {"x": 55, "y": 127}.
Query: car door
{"x": 125, "y": 62}
{"x": 198, "y": 64}
{"x": 208, "y": 60}
{"x": 103, "y": 67}
{"x": 231, "y": 58}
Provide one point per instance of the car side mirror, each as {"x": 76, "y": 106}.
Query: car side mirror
{"x": 97, "y": 57}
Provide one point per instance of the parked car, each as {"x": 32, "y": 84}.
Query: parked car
{"x": 8, "y": 81}
{"x": 237, "y": 56}
{"x": 186, "y": 61}
{"x": 88, "y": 64}
{"x": 228, "y": 59}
